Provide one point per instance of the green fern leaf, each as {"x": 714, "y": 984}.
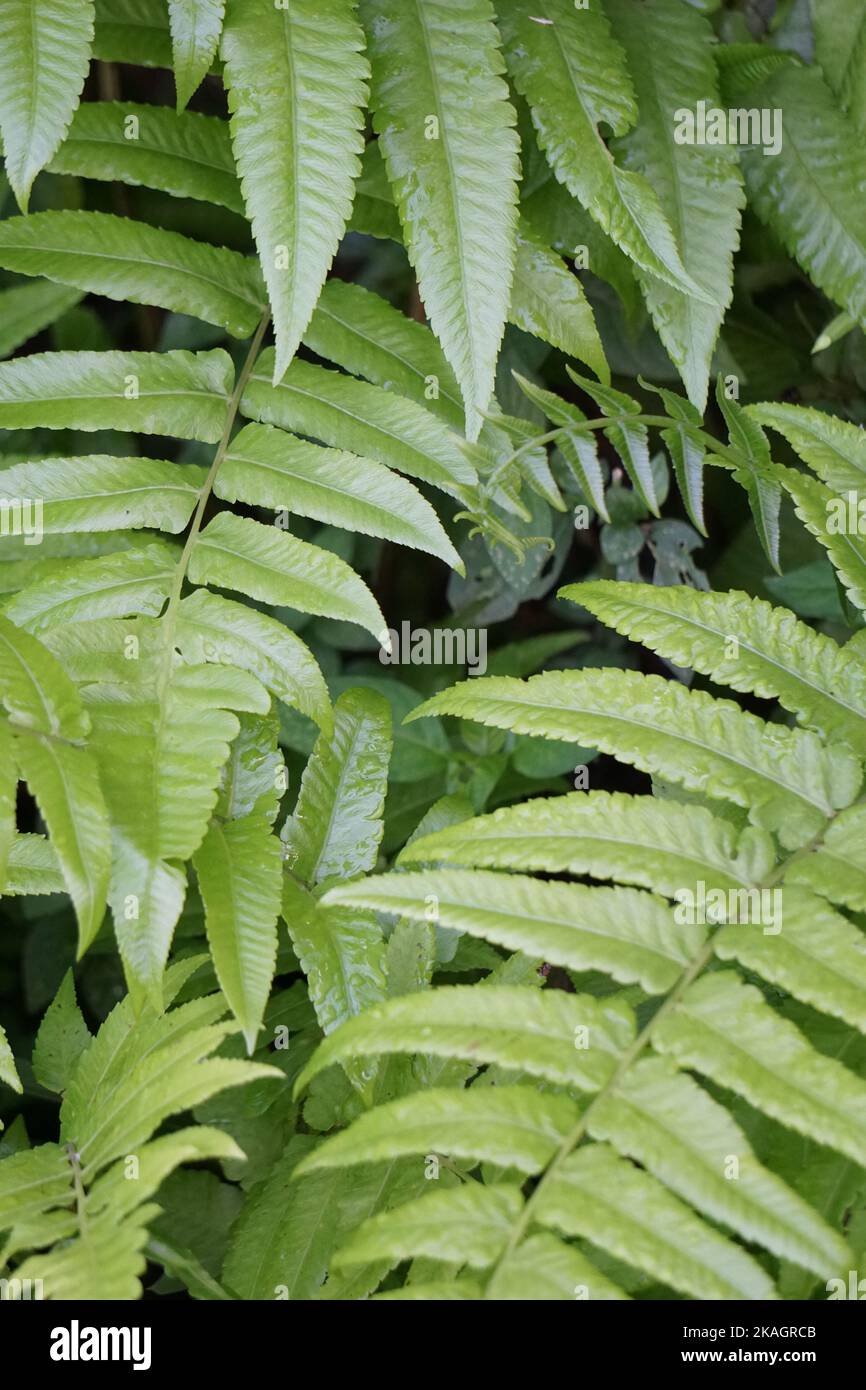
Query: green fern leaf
{"x": 104, "y": 493}
{"x": 216, "y": 629}
{"x": 176, "y": 393}
{"x": 835, "y": 449}
{"x": 296, "y": 124}
{"x": 756, "y": 474}
{"x": 337, "y": 823}
{"x": 634, "y": 839}
{"x": 840, "y": 48}
{"x": 187, "y": 155}
{"x": 812, "y": 952}
{"x": 578, "y": 449}
{"x": 601, "y": 1197}
{"x": 265, "y": 563}
{"x": 785, "y": 778}
{"x": 573, "y": 73}
{"x": 63, "y": 1036}
{"x": 669, "y": 50}
{"x": 26, "y": 310}
{"x": 368, "y": 337}
{"x": 239, "y": 875}
{"x": 469, "y": 1225}
{"x": 44, "y": 56}
{"x": 743, "y": 643}
{"x": 548, "y": 301}
{"x": 195, "y": 33}
{"x": 725, "y": 1030}
{"x": 630, "y": 440}
{"x": 629, "y": 934}
{"x": 127, "y": 260}
{"x": 130, "y": 581}
{"x": 815, "y": 505}
{"x": 268, "y": 468}
{"x": 458, "y": 210}
{"x": 544, "y": 1268}
{"x": 515, "y": 1126}
{"x": 133, "y": 31}
{"x": 353, "y": 415}
{"x": 539, "y": 1033}
{"x": 32, "y": 867}
{"x": 809, "y": 193}
{"x": 668, "y": 1124}
{"x": 834, "y": 871}
{"x": 8, "y": 1071}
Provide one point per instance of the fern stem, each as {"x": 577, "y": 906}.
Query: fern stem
{"x": 170, "y": 617}
{"x": 731, "y": 455}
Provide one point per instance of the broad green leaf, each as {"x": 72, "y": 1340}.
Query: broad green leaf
{"x": 786, "y": 779}
{"x": 30, "y": 1181}
{"x": 266, "y": 467}
{"x": 543, "y": 1267}
{"x": 634, "y": 839}
{"x": 809, "y": 194}
{"x": 133, "y": 31}
{"x": 811, "y": 951}
{"x": 826, "y": 515}
{"x": 8, "y": 1071}
{"x": 447, "y": 136}
{"x": 342, "y": 954}
{"x": 548, "y": 301}
{"x": 569, "y": 1039}
{"x": 834, "y": 448}
{"x": 254, "y": 777}
{"x": 603, "y": 1198}
{"x": 185, "y": 154}
{"x": 354, "y": 415}
{"x": 367, "y": 336}
{"x": 836, "y": 870}
{"x": 175, "y": 393}
{"x": 286, "y": 1233}
{"x": 470, "y": 1225}
{"x": 337, "y": 823}
{"x": 840, "y": 48}
{"x": 668, "y": 1124}
{"x": 130, "y": 261}
{"x": 103, "y": 493}
{"x": 724, "y": 1029}
{"x": 35, "y": 690}
{"x": 265, "y": 563}
{"x": 44, "y": 57}
{"x": 756, "y": 473}
{"x": 669, "y": 48}
{"x": 216, "y": 629}
{"x": 297, "y": 83}
{"x": 63, "y": 779}
{"x": 686, "y": 449}
{"x": 513, "y": 1125}
{"x": 567, "y": 64}
{"x": 195, "y": 33}
{"x": 131, "y": 581}
{"x": 744, "y": 643}
{"x": 629, "y": 934}
{"x": 26, "y": 310}
{"x": 239, "y": 876}
{"x": 63, "y": 1036}
{"x": 32, "y": 867}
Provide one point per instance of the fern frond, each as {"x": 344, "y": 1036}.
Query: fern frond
{"x": 196, "y": 26}
{"x": 297, "y": 83}
{"x": 454, "y": 178}
{"x": 44, "y": 56}
{"x": 128, "y": 260}
{"x": 786, "y": 778}
{"x": 744, "y": 643}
